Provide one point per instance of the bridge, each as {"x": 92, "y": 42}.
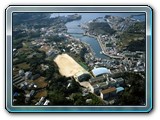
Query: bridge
{"x": 72, "y": 27}
{"x": 76, "y": 29}
{"x": 75, "y": 33}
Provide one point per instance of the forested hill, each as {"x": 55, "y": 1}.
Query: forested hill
{"x": 19, "y": 18}
{"x": 133, "y": 39}
{"x": 100, "y": 28}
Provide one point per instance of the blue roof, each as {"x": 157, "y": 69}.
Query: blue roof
{"x": 119, "y": 89}
{"x": 99, "y": 71}
{"x": 15, "y": 94}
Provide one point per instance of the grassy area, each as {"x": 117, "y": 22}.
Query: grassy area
{"x": 45, "y": 48}
{"x": 133, "y": 33}
{"x": 42, "y": 93}
{"x": 25, "y": 44}
{"x": 84, "y": 65}
{"x": 126, "y": 38}
{"x": 40, "y": 82}
{"x": 25, "y": 50}
{"x": 23, "y": 66}
{"x": 79, "y": 61}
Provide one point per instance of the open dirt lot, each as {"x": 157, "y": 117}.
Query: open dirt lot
{"x": 67, "y": 65}
{"x": 45, "y": 48}
{"x": 42, "y": 93}
{"x": 85, "y": 84}
{"x": 40, "y": 82}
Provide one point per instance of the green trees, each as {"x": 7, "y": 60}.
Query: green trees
{"x": 78, "y": 99}
{"x": 55, "y": 38}
{"x": 73, "y": 88}
{"x": 101, "y": 28}
{"x": 135, "y": 95}
{"x": 138, "y": 28}
{"x": 20, "y": 98}
{"x": 139, "y": 45}
{"x": 82, "y": 53}
{"x": 56, "y": 97}
{"x": 131, "y": 38}
{"x": 35, "y": 34}
{"x": 95, "y": 100}
{"x": 35, "y": 62}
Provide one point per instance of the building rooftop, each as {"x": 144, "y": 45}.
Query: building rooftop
{"x": 119, "y": 89}
{"x": 119, "y": 79}
{"x": 84, "y": 77}
{"x": 112, "y": 89}
{"x": 100, "y": 71}
{"x": 98, "y": 79}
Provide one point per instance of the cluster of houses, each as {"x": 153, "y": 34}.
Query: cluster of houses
{"x": 119, "y": 23}
{"x": 49, "y": 48}
{"x": 135, "y": 61}
{"x": 75, "y": 47}
{"x": 22, "y": 81}
{"x": 104, "y": 85}
{"x": 92, "y": 61}
{"x": 52, "y": 49}
{"x": 44, "y": 67}
{"x": 101, "y": 83}
{"x": 21, "y": 77}
{"x": 108, "y": 43}
{"x": 126, "y": 60}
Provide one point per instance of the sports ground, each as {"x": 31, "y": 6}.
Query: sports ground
{"x": 68, "y": 66}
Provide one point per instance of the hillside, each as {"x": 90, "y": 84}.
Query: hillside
{"x": 100, "y": 28}
{"x": 133, "y": 38}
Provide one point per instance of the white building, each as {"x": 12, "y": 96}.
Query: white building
{"x": 28, "y": 75}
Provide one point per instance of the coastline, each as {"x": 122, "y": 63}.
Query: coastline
{"x": 90, "y": 49}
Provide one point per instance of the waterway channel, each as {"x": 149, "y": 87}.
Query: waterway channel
{"x": 77, "y": 32}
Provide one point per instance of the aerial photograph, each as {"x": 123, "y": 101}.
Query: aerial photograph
{"x": 79, "y": 59}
